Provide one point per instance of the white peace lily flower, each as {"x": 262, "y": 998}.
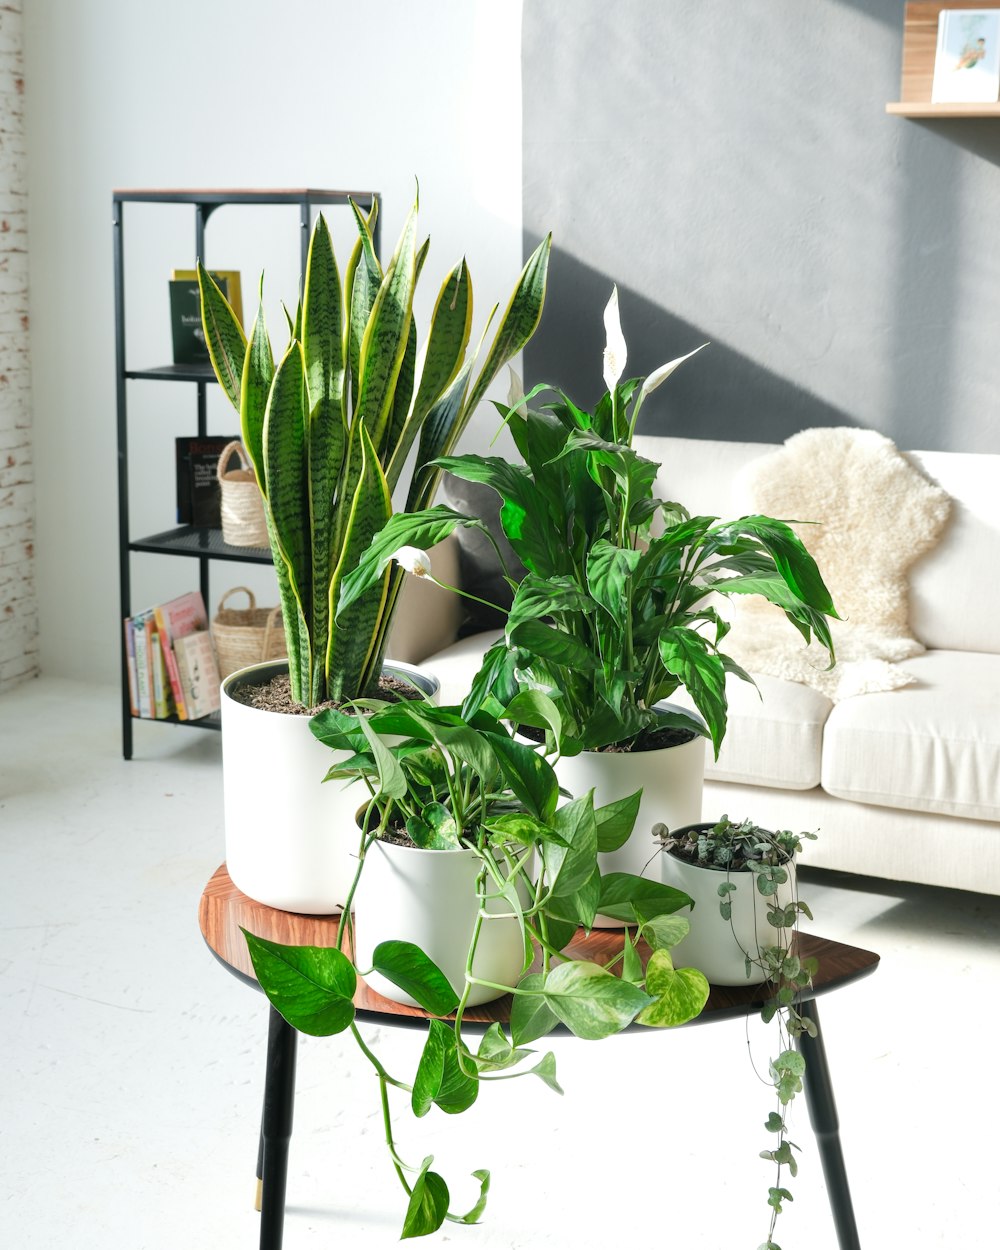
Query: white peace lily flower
{"x": 515, "y": 392}
{"x": 615, "y": 353}
{"x": 413, "y": 560}
{"x": 664, "y": 372}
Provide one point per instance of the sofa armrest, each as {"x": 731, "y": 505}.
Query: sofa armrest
{"x": 428, "y": 618}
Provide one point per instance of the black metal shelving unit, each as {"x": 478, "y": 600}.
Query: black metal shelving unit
{"x": 196, "y": 543}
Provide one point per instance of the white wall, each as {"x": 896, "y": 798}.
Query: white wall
{"x": 220, "y": 93}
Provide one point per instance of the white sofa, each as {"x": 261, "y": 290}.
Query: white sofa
{"x": 903, "y": 785}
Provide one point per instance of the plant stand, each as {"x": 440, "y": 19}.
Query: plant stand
{"x": 223, "y": 910}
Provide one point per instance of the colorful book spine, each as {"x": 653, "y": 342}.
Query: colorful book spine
{"x": 199, "y": 673}
{"x": 130, "y": 666}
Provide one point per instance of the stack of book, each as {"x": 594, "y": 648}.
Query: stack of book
{"x": 172, "y": 670}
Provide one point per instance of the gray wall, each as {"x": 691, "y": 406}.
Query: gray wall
{"x": 732, "y": 168}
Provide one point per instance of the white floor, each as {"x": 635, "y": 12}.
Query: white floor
{"x": 132, "y": 1063}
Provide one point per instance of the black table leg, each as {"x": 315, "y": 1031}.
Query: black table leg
{"x": 826, "y": 1126}
{"x": 276, "y": 1129}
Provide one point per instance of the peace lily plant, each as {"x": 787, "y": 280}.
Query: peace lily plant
{"x": 447, "y": 783}
{"x": 614, "y": 614}
{"x": 328, "y": 429}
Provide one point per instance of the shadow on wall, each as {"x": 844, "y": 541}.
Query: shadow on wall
{"x": 721, "y": 393}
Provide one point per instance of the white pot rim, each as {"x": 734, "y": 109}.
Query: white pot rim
{"x": 258, "y": 674}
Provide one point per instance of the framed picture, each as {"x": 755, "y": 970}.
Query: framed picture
{"x": 967, "y": 62}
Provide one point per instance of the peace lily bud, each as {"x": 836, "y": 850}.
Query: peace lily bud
{"x": 664, "y": 372}
{"x": 413, "y": 560}
{"x": 615, "y": 353}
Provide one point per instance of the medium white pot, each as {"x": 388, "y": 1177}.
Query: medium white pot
{"x": 429, "y": 898}
{"x": 291, "y": 840}
{"x": 715, "y": 946}
{"x": 671, "y": 779}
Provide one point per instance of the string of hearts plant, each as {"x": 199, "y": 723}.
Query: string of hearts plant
{"x": 736, "y": 849}
{"x": 446, "y": 784}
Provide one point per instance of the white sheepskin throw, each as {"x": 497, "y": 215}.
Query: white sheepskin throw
{"x": 874, "y": 514}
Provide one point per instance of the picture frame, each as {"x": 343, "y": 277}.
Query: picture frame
{"x": 967, "y": 59}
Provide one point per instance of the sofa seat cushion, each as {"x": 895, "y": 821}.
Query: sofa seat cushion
{"x": 930, "y": 747}
{"x": 774, "y": 738}
{"x": 455, "y": 666}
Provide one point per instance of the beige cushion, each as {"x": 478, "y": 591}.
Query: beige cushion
{"x": 931, "y": 747}
{"x": 774, "y": 738}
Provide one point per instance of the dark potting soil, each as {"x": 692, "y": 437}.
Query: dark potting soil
{"x": 656, "y": 740}
{"x": 276, "y": 695}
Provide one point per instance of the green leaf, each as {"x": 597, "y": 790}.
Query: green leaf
{"x": 680, "y": 993}
{"x": 631, "y": 963}
{"x": 440, "y": 1080}
{"x": 664, "y": 932}
{"x": 530, "y": 1016}
{"x": 312, "y": 986}
{"x": 553, "y": 645}
{"x": 255, "y": 386}
{"x": 637, "y": 899}
{"x": 227, "y": 344}
{"x": 615, "y": 821}
{"x": 445, "y": 833}
{"x": 428, "y": 1205}
{"x": 545, "y": 1070}
{"x": 590, "y": 1001}
{"x": 610, "y": 570}
{"x": 774, "y": 1123}
{"x": 407, "y": 967}
{"x": 571, "y": 865}
{"x": 700, "y": 670}
{"x": 579, "y": 907}
{"x": 529, "y": 774}
{"x": 472, "y": 1216}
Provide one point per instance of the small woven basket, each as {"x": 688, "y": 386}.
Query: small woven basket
{"x": 241, "y": 505}
{"x": 245, "y": 636}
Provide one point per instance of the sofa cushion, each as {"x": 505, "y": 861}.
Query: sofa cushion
{"x": 930, "y": 747}
{"x": 774, "y": 738}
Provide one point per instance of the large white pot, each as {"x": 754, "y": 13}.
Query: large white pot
{"x": 429, "y": 898}
{"x": 291, "y": 840}
{"x": 671, "y": 779}
{"x": 715, "y": 946}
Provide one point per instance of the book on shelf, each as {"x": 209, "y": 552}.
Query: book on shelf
{"x": 186, "y": 329}
{"x": 198, "y": 496}
{"x": 199, "y": 673}
{"x": 176, "y": 619}
{"x": 160, "y": 683}
{"x": 229, "y": 284}
{"x": 967, "y": 57}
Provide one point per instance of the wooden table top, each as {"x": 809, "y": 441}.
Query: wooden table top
{"x": 224, "y": 911}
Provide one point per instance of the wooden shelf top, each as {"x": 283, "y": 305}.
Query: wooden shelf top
{"x": 923, "y": 108}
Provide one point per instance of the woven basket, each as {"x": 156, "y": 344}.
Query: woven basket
{"x": 245, "y": 636}
{"x": 241, "y": 506}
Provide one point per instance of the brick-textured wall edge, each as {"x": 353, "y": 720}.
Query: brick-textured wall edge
{"x": 18, "y": 603}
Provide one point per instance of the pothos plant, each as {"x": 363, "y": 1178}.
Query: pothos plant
{"x": 449, "y": 782}
{"x": 729, "y": 848}
{"x": 328, "y": 429}
{"x": 615, "y": 613}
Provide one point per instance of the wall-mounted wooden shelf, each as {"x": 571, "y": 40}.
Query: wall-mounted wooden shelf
{"x": 920, "y": 26}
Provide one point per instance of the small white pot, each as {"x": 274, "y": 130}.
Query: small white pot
{"x": 291, "y": 840}
{"x": 429, "y": 898}
{"x": 671, "y": 779}
{"x": 715, "y": 946}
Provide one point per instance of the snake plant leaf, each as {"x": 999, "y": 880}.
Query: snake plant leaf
{"x": 313, "y": 987}
{"x": 352, "y": 635}
{"x": 592, "y": 1002}
{"x": 428, "y": 1205}
{"x": 323, "y": 362}
{"x": 258, "y": 374}
{"x": 679, "y": 993}
{"x": 448, "y": 339}
{"x": 227, "y": 344}
{"x": 384, "y": 343}
{"x": 362, "y": 281}
{"x": 519, "y": 321}
{"x": 435, "y": 436}
{"x": 286, "y": 472}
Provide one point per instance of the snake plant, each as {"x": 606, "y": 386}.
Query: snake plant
{"x": 329, "y": 427}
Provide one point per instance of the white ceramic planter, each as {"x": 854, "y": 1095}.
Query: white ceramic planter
{"x": 429, "y": 898}
{"x": 671, "y": 780}
{"x": 291, "y": 840}
{"x": 716, "y": 946}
